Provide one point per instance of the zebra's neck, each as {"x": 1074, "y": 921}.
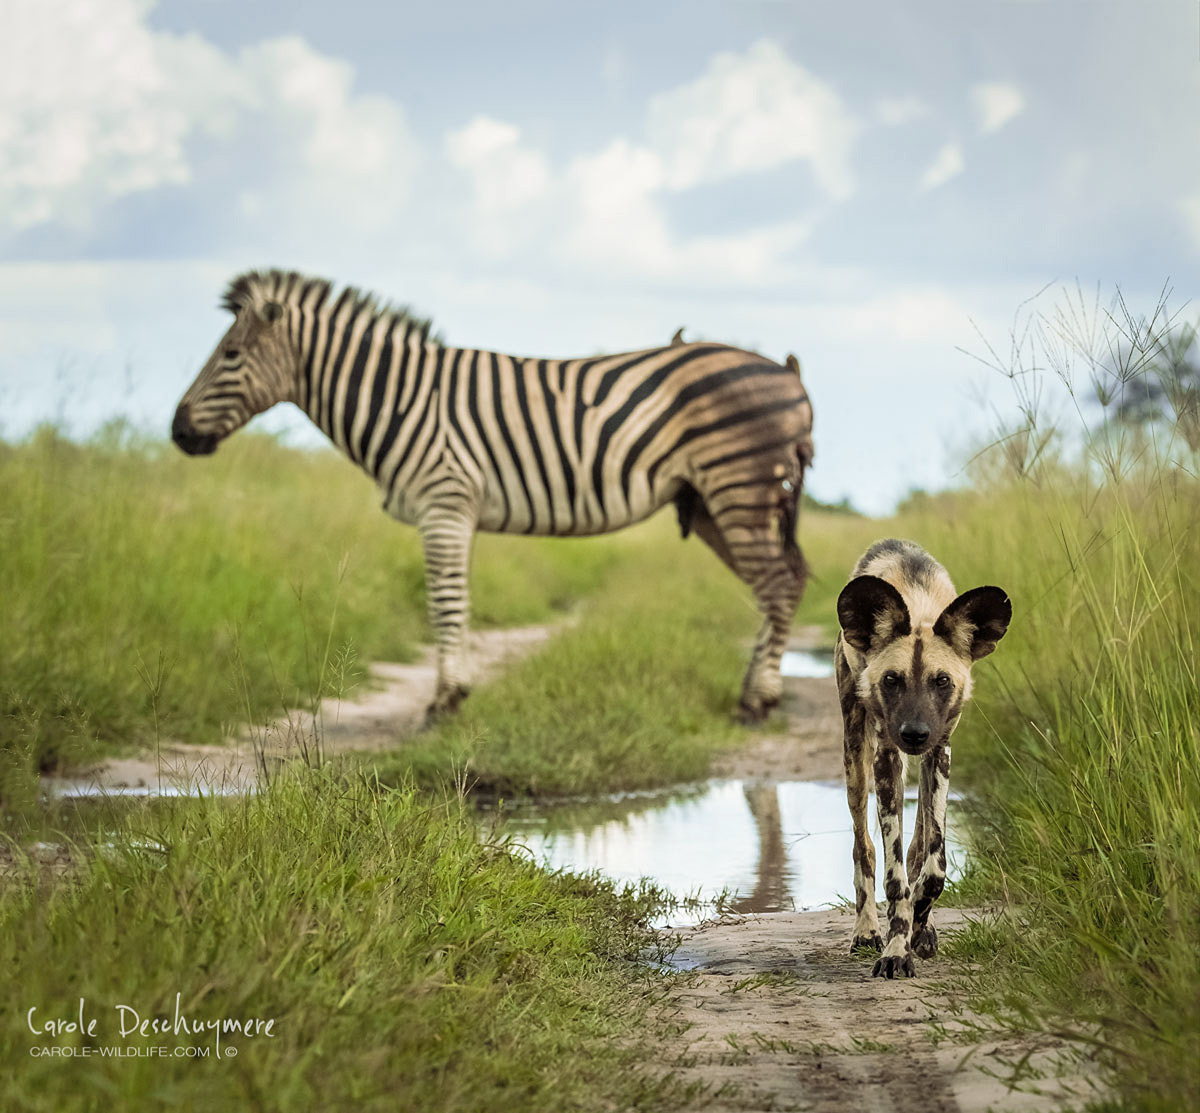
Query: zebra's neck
{"x": 358, "y": 364}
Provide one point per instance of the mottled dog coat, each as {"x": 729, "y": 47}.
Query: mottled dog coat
{"x": 903, "y": 662}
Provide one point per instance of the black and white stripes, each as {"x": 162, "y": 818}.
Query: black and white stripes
{"x": 460, "y": 440}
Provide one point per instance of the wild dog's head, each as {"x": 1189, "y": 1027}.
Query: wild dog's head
{"x": 915, "y": 681}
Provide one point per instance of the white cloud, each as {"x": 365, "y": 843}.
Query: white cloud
{"x": 752, "y": 112}
{"x": 507, "y": 177}
{"x": 996, "y": 103}
{"x": 915, "y": 315}
{"x": 506, "y": 173}
{"x": 95, "y": 105}
{"x": 947, "y": 163}
{"x": 339, "y": 162}
{"x": 900, "y": 110}
{"x": 609, "y": 208}
{"x": 617, "y": 221}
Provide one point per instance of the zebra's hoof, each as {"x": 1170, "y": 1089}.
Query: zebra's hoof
{"x": 445, "y": 703}
{"x": 752, "y": 712}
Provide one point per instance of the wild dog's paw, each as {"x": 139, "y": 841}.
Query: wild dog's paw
{"x": 866, "y": 943}
{"x": 891, "y": 965}
{"x": 924, "y": 941}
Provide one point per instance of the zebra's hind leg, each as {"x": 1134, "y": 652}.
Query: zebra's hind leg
{"x": 447, "y": 530}
{"x": 747, "y": 537}
{"x": 777, "y": 590}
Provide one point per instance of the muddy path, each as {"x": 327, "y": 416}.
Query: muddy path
{"x": 777, "y": 1015}
{"x": 388, "y": 708}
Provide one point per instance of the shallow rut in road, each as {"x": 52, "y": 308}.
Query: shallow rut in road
{"x": 779, "y": 1015}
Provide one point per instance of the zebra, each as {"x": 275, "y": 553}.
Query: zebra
{"x": 460, "y": 440}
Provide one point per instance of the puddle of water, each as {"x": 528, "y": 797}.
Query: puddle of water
{"x": 808, "y": 664}
{"x": 776, "y": 846}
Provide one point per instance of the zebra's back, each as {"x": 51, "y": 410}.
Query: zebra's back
{"x": 584, "y": 446}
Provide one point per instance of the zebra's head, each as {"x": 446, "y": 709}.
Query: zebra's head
{"x": 254, "y": 366}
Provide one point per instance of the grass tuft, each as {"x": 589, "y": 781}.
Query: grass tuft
{"x": 402, "y": 957}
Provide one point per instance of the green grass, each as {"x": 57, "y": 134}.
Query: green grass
{"x": 407, "y": 963}
{"x": 640, "y": 692}
{"x": 1082, "y": 749}
{"x": 141, "y": 586}
{"x": 150, "y": 595}
{"x": 147, "y": 593}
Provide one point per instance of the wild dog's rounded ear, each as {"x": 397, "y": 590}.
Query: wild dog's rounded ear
{"x": 871, "y": 613}
{"x": 270, "y": 311}
{"x": 975, "y": 621}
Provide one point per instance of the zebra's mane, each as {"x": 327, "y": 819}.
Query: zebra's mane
{"x": 291, "y": 288}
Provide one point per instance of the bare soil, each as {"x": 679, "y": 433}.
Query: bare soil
{"x": 776, "y": 1013}
{"x": 390, "y": 708}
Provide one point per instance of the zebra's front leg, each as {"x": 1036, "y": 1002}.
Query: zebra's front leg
{"x": 889, "y": 793}
{"x": 447, "y": 530}
{"x": 931, "y": 878}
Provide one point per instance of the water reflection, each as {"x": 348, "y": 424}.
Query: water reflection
{"x": 775, "y": 846}
{"x": 808, "y": 664}
{"x": 772, "y": 878}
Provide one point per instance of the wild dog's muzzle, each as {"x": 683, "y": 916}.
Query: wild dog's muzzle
{"x": 193, "y": 443}
{"x": 914, "y": 737}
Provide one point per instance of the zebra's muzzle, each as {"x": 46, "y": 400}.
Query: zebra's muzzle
{"x": 193, "y": 443}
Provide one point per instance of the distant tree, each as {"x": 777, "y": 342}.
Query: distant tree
{"x": 1156, "y": 382}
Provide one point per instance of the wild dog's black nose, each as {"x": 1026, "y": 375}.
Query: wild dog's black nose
{"x": 914, "y": 734}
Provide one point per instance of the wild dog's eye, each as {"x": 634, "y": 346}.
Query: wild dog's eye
{"x": 942, "y": 680}
{"x": 891, "y": 679}
{"x": 231, "y": 353}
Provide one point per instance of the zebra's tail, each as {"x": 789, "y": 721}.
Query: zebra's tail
{"x": 789, "y": 511}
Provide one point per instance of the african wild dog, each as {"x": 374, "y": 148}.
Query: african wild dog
{"x": 903, "y": 663}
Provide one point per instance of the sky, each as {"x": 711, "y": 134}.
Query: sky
{"x": 879, "y": 188}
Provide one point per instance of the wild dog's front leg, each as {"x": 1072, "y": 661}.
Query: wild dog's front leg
{"x": 935, "y": 785}
{"x": 889, "y": 791}
{"x": 447, "y": 529}
{"x": 856, "y": 758}
{"x": 857, "y": 762}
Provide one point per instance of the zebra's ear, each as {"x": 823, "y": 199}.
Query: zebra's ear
{"x": 270, "y": 311}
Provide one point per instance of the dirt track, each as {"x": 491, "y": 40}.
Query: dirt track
{"x": 780, "y": 1016}
{"x": 390, "y": 709}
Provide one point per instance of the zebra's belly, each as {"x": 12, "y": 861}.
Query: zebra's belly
{"x": 586, "y": 516}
